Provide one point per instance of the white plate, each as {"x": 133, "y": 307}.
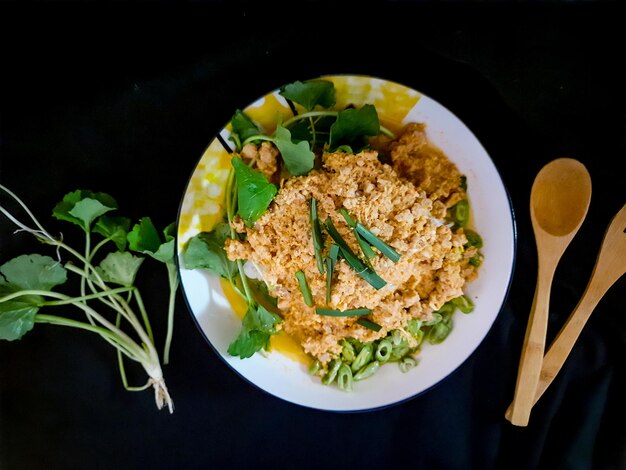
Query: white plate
{"x": 492, "y": 216}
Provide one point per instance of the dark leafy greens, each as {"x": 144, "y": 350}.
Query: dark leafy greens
{"x": 29, "y": 283}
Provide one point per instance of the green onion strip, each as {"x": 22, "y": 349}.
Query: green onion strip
{"x": 304, "y": 288}
{"x": 316, "y": 230}
{"x": 353, "y": 260}
{"x": 330, "y": 312}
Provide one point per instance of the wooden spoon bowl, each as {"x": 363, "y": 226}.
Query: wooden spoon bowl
{"x": 559, "y": 201}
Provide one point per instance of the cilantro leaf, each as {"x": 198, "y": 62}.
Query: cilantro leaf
{"x": 119, "y": 268}
{"x": 354, "y": 123}
{"x": 243, "y": 125}
{"x": 310, "y": 93}
{"x": 32, "y": 272}
{"x": 71, "y": 209}
{"x": 114, "y": 228}
{"x": 257, "y": 326}
{"x": 206, "y": 251}
{"x": 297, "y": 157}
{"x": 254, "y": 191}
{"x": 16, "y": 319}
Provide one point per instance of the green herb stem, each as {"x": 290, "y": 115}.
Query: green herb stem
{"x": 143, "y": 313}
{"x": 307, "y": 115}
{"x": 173, "y": 282}
{"x": 125, "y": 345}
{"x": 84, "y": 298}
{"x": 254, "y": 138}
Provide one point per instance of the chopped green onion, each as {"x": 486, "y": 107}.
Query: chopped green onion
{"x": 366, "y": 249}
{"x": 463, "y": 182}
{"x": 464, "y": 304}
{"x": 473, "y": 239}
{"x": 316, "y": 230}
{"x": 332, "y": 373}
{"x": 383, "y": 351}
{"x": 407, "y": 363}
{"x": 353, "y": 260}
{"x": 413, "y": 326}
{"x": 344, "y": 378}
{"x": 347, "y": 351}
{"x": 304, "y": 288}
{"x": 331, "y": 261}
{"x": 346, "y": 215}
{"x": 315, "y": 367}
{"x": 476, "y": 260}
{"x": 367, "y": 371}
{"x": 355, "y": 312}
{"x": 439, "y": 332}
{"x": 436, "y": 318}
{"x": 461, "y": 213}
{"x": 376, "y": 242}
{"x": 369, "y": 324}
{"x": 364, "y": 357}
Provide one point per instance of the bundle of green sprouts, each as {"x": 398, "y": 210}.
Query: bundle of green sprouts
{"x": 108, "y": 298}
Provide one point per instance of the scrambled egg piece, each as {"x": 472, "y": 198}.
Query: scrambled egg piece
{"x": 403, "y": 205}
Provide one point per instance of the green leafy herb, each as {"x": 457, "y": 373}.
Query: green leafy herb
{"x": 243, "y": 126}
{"x": 16, "y": 320}
{"x": 329, "y": 312}
{"x": 298, "y": 157}
{"x": 27, "y": 283}
{"x": 82, "y": 207}
{"x": 206, "y": 251}
{"x": 310, "y": 93}
{"x": 144, "y": 237}
{"x": 304, "y": 288}
{"x": 354, "y": 123}
{"x": 113, "y": 228}
{"x": 257, "y": 326}
{"x": 32, "y": 272}
{"x": 120, "y": 268}
{"x": 254, "y": 191}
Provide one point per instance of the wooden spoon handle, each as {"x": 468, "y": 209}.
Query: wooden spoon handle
{"x": 533, "y": 349}
{"x": 610, "y": 266}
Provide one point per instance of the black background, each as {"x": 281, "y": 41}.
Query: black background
{"x": 124, "y": 99}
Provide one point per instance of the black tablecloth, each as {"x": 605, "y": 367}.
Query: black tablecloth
{"x": 124, "y": 100}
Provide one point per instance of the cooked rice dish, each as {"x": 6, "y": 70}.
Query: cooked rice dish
{"x": 404, "y": 203}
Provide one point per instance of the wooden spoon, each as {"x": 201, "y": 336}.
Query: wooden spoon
{"x": 559, "y": 200}
{"x": 610, "y": 266}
